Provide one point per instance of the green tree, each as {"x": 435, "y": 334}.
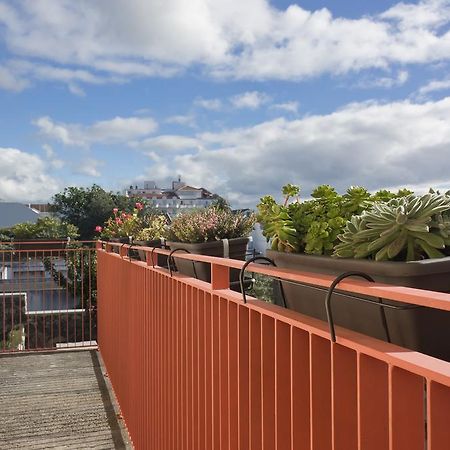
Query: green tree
{"x": 44, "y": 228}
{"x": 88, "y": 207}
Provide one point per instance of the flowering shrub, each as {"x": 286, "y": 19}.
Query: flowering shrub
{"x": 122, "y": 224}
{"x": 210, "y": 224}
{"x": 136, "y": 225}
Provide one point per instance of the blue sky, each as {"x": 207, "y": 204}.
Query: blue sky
{"x": 238, "y": 97}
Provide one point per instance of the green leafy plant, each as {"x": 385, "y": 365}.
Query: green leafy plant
{"x": 210, "y": 224}
{"x": 313, "y": 226}
{"x": 156, "y": 228}
{"x": 407, "y": 228}
{"x": 44, "y": 228}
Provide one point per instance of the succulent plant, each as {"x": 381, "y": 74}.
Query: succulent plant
{"x": 411, "y": 228}
{"x": 313, "y": 226}
{"x": 278, "y": 224}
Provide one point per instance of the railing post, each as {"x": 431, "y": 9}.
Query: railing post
{"x": 151, "y": 258}
{"x": 220, "y": 277}
{"x": 123, "y": 251}
{"x": 99, "y": 245}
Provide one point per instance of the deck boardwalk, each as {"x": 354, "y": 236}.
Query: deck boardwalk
{"x": 56, "y": 400}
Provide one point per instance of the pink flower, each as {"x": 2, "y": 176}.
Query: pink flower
{"x": 139, "y": 206}
{"x": 115, "y": 211}
{"x": 124, "y": 215}
{"x": 118, "y": 221}
{"x": 98, "y": 228}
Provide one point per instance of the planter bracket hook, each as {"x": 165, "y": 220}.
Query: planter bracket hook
{"x": 170, "y": 260}
{"x": 242, "y": 273}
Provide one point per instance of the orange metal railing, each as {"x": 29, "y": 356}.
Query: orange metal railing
{"x": 193, "y": 367}
{"x": 47, "y": 295}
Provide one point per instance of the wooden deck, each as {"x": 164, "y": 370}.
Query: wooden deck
{"x": 56, "y": 400}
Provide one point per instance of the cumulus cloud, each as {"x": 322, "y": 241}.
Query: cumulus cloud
{"x": 11, "y": 81}
{"x": 89, "y": 167}
{"x": 370, "y": 144}
{"x": 187, "y": 120}
{"x": 385, "y": 82}
{"x": 19, "y": 74}
{"x": 24, "y": 177}
{"x": 434, "y": 85}
{"x": 212, "y": 104}
{"x": 291, "y": 107}
{"x": 52, "y": 158}
{"x": 113, "y": 131}
{"x": 166, "y": 143}
{"x": 249, "y": 100}
{"x": 95, "y": 42}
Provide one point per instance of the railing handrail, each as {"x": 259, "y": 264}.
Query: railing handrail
{"x": 403, "y": 294}
{"x": 190, "y": 355}
{"x": 48, "y": 241}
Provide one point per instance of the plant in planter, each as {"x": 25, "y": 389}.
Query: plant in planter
{"x": 123, "y": 226}
{"x": 46, "y": 229}
{"x": 210, "y": 231}
{"x": 154, "y": 231}
{"x": 396, "y": 239}
{"x": 410, "y": 228}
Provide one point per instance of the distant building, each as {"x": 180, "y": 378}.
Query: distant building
{"x": 44, "y": 208}
{"x": 14, "y": 213}
{"x": 180, "y": 197}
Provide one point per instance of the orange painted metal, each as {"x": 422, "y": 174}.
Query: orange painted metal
{"x": 193, "y": 367}
{"x": 373, "y": 403}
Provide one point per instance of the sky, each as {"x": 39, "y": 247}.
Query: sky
{"x": 239, "y": 97}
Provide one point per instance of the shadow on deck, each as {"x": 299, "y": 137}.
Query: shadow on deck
{"x": 56, "y": 400}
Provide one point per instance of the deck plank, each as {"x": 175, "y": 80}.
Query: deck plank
{"x": 56, "y": 400}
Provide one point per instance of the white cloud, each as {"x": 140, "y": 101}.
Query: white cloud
{"x": 89, "y": 167}
{"x": 370, "y": 144}
{"x": 434, "y": 85}
{"x": 291, "y": 107}
{"x": 167, "y": 143}
{"x": 54, "y": 162}
{"x": 249, "y": 100}
{"x": 212, "y": 104}
{"x": 18, "y": 74}
{"x": 76, "y": 90}
{"x": 385, "y": 82}
{"x": 431, "y": 13}
{"x": 11, "y": 81}
{"x": 97, "y": 42}
{"x": 24, "y": 177}
{"x": 187, "y": 120}
{"x": 113, "y": 131}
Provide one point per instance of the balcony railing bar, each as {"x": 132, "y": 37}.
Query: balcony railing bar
{"x": 46, "y": 295}
{"x": 194, "y": 367}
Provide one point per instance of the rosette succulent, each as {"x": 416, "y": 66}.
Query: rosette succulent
{"x": 313, "y": 226}
{"x": 407, "y": 228}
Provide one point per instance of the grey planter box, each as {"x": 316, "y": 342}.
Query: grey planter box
{"x": 162, "y": 259}
{"x": 122, "y": 240}
{"x": 40, "y": 246}
{"x": 237, "y": 250}
{"x": 426, "y": 330}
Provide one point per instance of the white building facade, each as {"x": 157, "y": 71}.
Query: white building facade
{"x": 180, "y": 197}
